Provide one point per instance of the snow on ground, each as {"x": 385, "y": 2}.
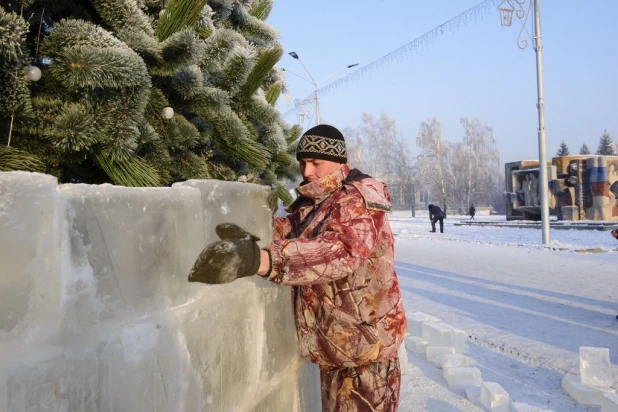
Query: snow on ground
{"x": 527, "y": 309}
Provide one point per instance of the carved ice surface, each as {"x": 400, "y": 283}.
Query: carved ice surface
{"x": 594, "y": 367}
{"x": 494, "y": 398}
{"x": 440, "y": 334}
{"x": 416, "y": 320}
{"x": 416, "y": 344}
{"x": 434, "y": 353}
{"x": 96, "y": 313}
{"x": 31, "y": 214}
{"x": 609, "y": 402}
{"x": 462, "y": 376}
{"x": 584, "y": 394}
{"x": 455, "y": 360}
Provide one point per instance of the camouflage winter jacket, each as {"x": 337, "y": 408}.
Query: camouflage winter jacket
{"x": 336, "y": 249}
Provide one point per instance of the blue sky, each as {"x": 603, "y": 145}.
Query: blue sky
{"x": 477, "y": 71}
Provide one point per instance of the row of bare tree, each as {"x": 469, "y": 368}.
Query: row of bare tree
{"x": 446, "y": 173}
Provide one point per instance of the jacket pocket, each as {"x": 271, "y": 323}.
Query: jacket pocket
{"x": 351, "y": 341}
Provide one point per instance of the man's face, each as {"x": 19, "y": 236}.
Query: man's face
{"x": 615, "y": 233}
{"x": 313, "y": 169}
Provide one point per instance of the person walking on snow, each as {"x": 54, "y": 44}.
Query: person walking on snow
{"x": 435, "y": 214}
{"x": 472, "y": 211}
{"x": 335, "y": 249}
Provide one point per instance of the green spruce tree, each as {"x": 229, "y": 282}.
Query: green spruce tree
{"x": 142, "y": 92}
{"x": 606, "y": 147}
{"x": 563, "y": 150}
{"x": 584, "y": 150}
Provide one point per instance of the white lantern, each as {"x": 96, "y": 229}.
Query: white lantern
{"x": 33, "y": 73}
{"x": 167, "y": 113}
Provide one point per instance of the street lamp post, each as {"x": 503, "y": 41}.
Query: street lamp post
{"x": 522, "y": 11}
{"x": 316, "y": 96}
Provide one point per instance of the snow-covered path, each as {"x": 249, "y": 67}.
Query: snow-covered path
{"x": 527, "y": 310}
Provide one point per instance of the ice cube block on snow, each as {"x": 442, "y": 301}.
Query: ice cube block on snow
{"x": 609, "y": 402}
{"x": 462, "y": 376}
{"x": 584, "y": 394}
{"x": 594, "y": 367}
{"x": 474, "y": 394}
{"x": 416, "y": 320}
{"x": 455, "y": 360}
{"x": 494, "y": 398}
{"x": 440, "y": 334}
{"x": 416, "y": 344}
{"x": 435, "y": 352}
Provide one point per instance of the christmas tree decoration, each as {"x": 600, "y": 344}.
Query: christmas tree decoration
{"x": 33, "y": 73}
{"x": 167, "y": 113}
{"x": 113, "y": 72}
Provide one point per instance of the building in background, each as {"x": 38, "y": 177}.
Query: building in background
{"x": 581, "y": 187}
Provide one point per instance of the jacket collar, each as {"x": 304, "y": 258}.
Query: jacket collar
{"x": 320, "y": 189}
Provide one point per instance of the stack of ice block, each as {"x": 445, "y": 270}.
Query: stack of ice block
{"x": 593, "y": 386}
{"x": 443, "y": 345}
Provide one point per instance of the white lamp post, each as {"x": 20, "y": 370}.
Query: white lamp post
{"x": 522, "y": 11}
{"x": 315, "y": 100}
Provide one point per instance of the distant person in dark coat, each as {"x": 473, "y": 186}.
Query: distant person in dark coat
{"x": 435, "y": 214}
{"x": 472, "y": 211}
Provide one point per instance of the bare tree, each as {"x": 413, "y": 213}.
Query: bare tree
{"x": 476, "y": 164}
{"x": 434, "y": 162}
{"x": 376, "y": 148}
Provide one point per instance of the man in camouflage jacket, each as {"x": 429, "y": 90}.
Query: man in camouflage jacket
{"x": 335, "y": 248}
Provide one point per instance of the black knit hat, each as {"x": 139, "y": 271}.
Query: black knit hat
{"x": 322, "y": 142}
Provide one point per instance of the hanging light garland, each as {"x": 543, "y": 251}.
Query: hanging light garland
{"x": 472, "y": 15}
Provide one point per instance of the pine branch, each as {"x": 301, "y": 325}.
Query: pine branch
{"x": 179, "y": 50}
{"x": 132, "y": 172}
{"x": 258, "y": 31}
{"x": 71, "y": 33}
{"x": 75, "y": 128}
{"x": 262, "y": 68}
{"x": 87, "y": 67}
{"x": 272, "y": 95}
{"x": 12, "y": 159}
{"x": 147, "y": 47}
{"x": 178, "y": 15}
{"x": 261, "y": 9}
{"x": 246, "y": 150}
{"x": 283, "y": 194}
{"x": 13, "y": 30}
{"x": 294, "y": 133}
{"x": 119, "y": 14}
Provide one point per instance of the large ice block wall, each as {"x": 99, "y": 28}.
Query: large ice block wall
{"x": 96, "y": 313}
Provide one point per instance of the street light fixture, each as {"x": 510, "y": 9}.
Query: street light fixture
{"x": 522, "y": 10}
{"x": 302, "y": 103}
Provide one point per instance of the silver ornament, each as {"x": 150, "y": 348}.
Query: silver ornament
{"x": 33, "y": 73}
{"x": 167, "y": 113}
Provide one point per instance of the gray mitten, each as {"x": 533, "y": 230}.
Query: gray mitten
{"x": 236, "y": 255}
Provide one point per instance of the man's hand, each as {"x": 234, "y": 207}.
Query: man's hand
{"x": 236, "y": 255}
{"x": 264, "y": 263}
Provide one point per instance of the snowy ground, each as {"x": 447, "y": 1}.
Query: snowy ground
{"x": 527, "y": 309}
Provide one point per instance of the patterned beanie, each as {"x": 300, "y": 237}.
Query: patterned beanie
{"x": 322, "y": 142}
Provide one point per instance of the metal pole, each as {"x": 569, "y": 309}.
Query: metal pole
{"x": 542, "y": 140}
